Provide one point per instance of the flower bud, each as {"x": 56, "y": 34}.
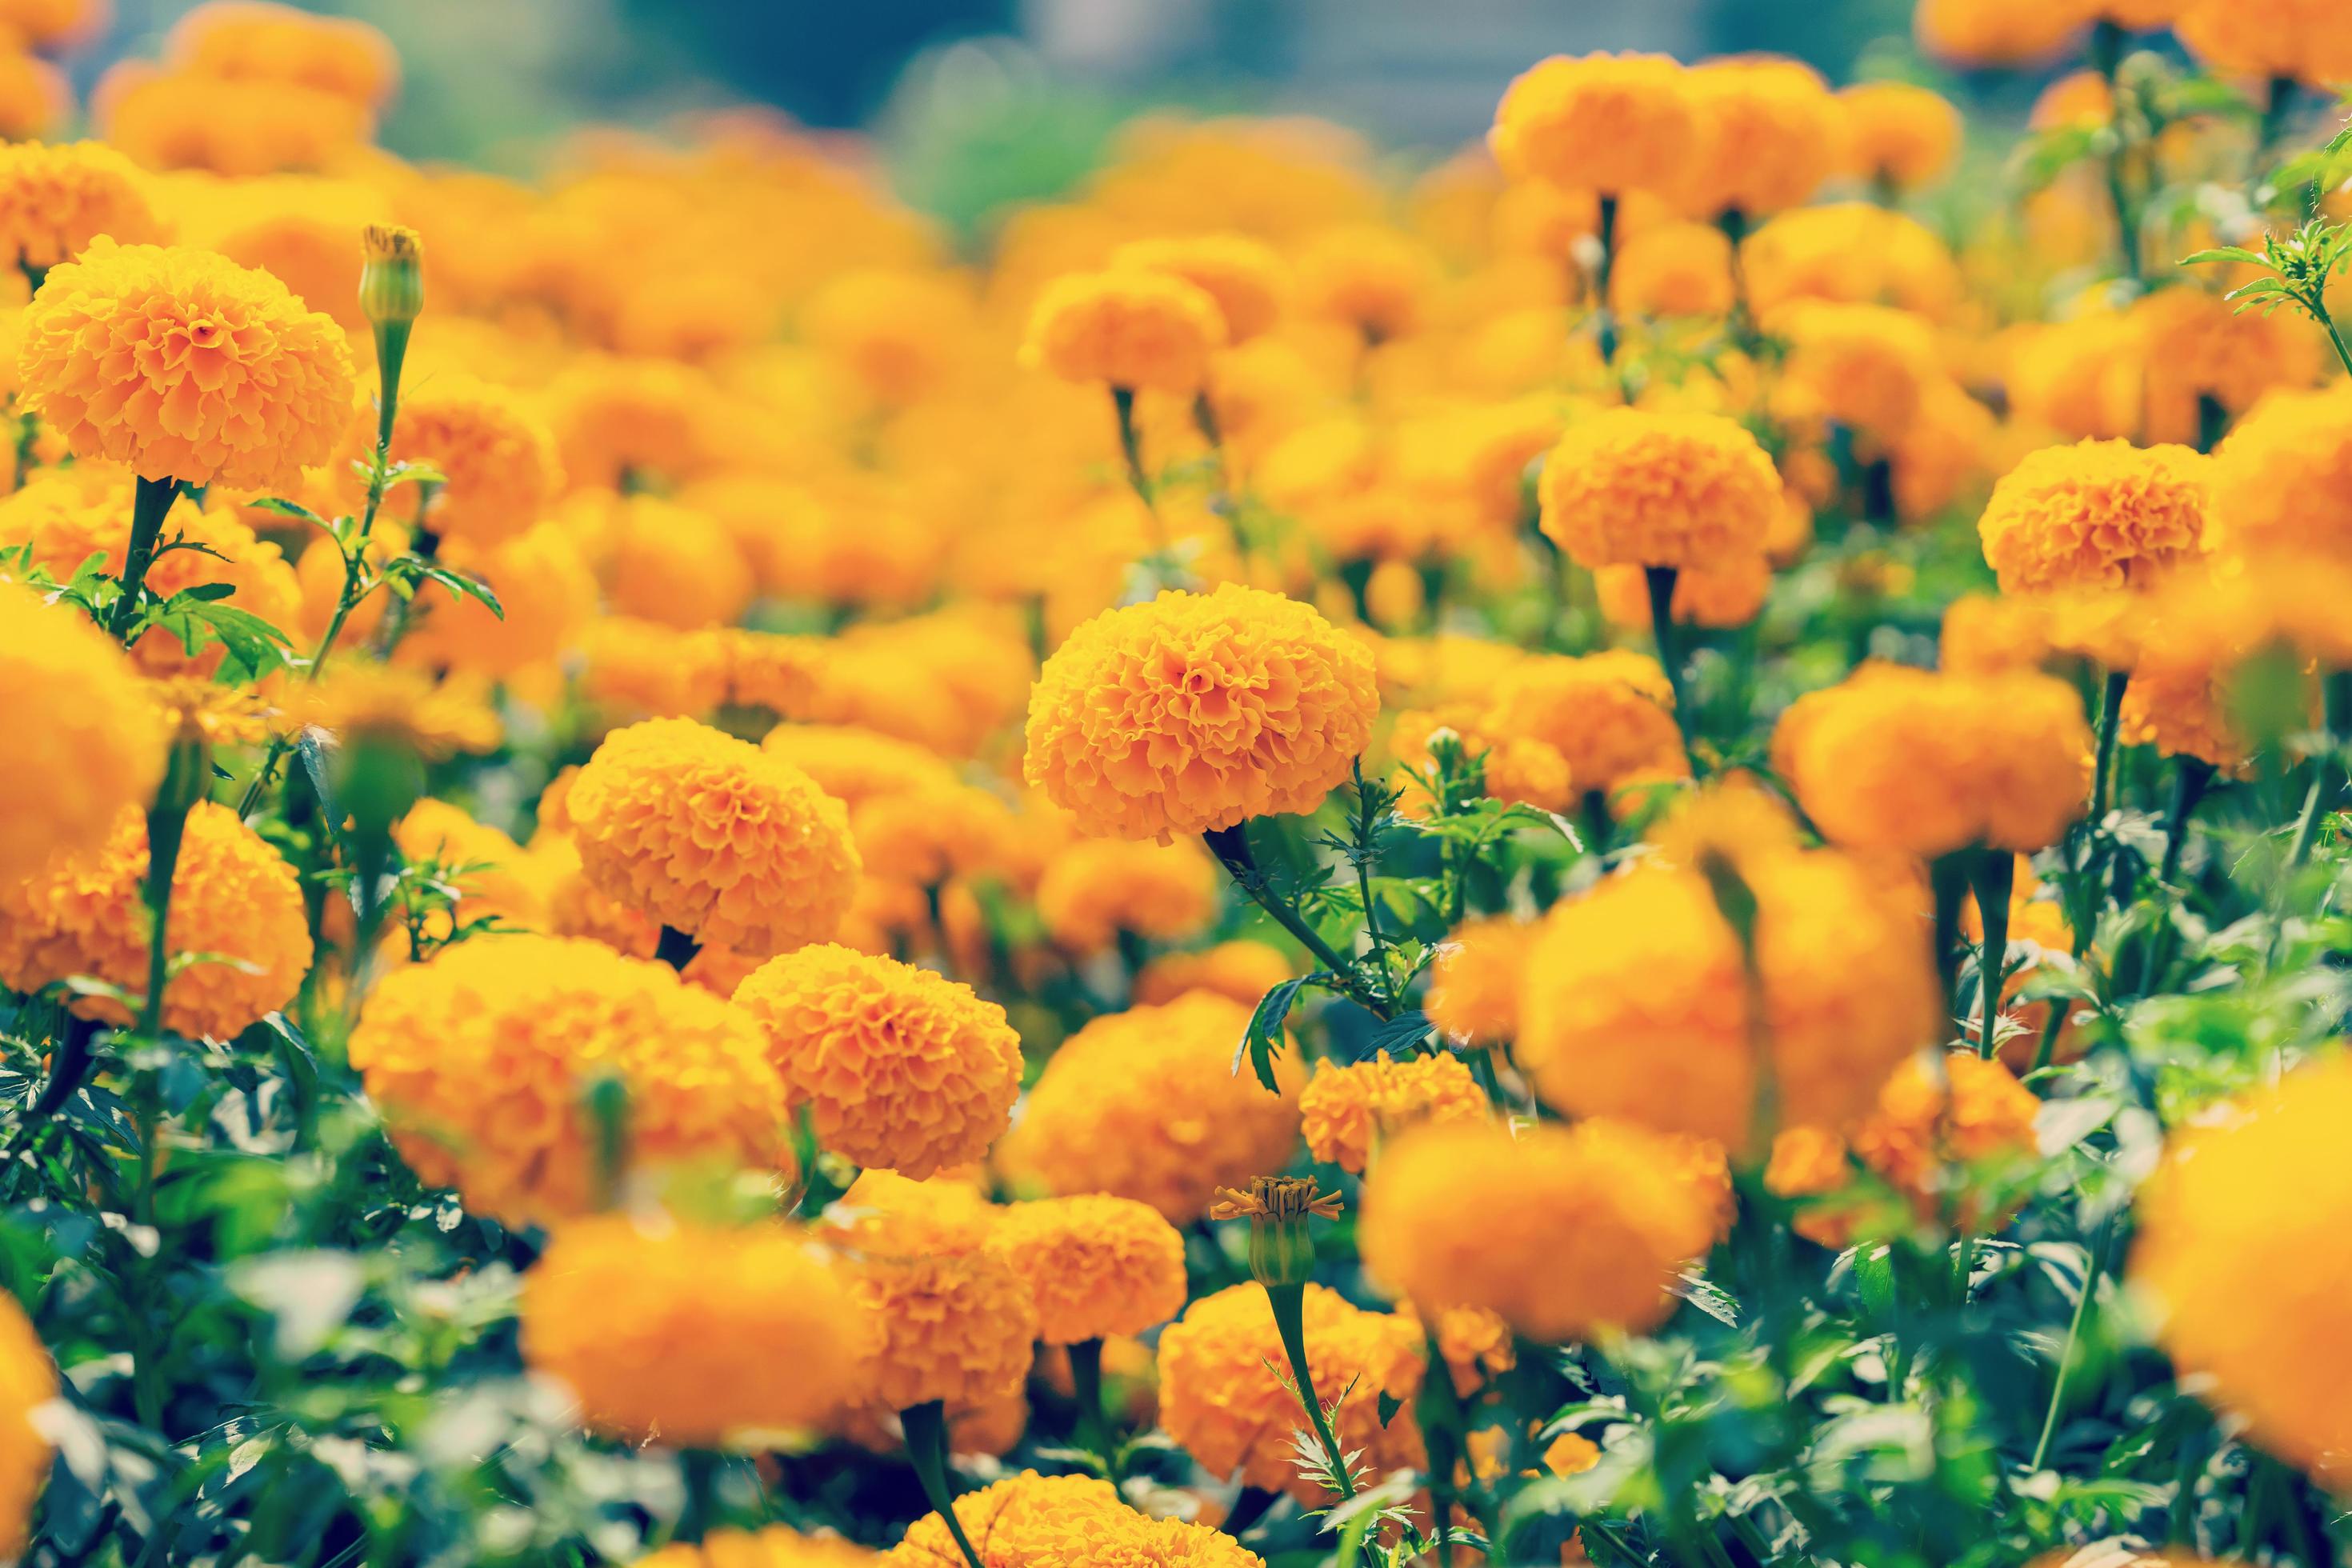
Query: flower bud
{"x": 1281, "y": 1249}
{"x": 392, "y": 275}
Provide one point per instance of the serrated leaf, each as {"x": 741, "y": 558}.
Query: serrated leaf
{"x": 1262, "y": 1042}
{"x": 280, "y": 506}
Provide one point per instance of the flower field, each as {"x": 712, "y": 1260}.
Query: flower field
{"x": 1626, "y": 849}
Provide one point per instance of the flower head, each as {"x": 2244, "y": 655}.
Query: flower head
{"x": 1031, "y": 1520}
{"x": 690, "y": 1335}
{"x": 1243, "y": 970}
{"x": 2283, "y": 476}
{"x": 53, "y": 200}
{"x": 1097, "y": 1266}
{"x": 1612, "y": 123}
{"x": 2098, "y": 514}
{"x": 1647, "y": 488}
{"x": 28, "y": 1380}
{"x": 482, "y": 1059}
{"x": 902, "y": 1068}
{"x": 1903, "y": 135}
{"x": 1768, "y": 135}
{"x": 1097, "y": 887}
{"x": 497, "y": 459}
{"x": 770, "y": 1546}
{"x": 359, "y": 699}
{"x": 2302, "y": 40}
{"x": 954, "y": 1322}
{"x": 712, "y": 836}
{"x": 91, "y": 744}
{"x": 1346, "y": 1110}
{"x": 1130, "y": 329}
{"x": 1243, "y": 276}
{"x": 1197, "y": 711}
{"x": 1474, "y": 983}
{"x": 1609, "y": 716}
{"x": 185, "y": 366}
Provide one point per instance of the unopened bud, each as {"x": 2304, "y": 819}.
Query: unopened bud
{"x": 392, "y": 275}
{"x": 1281, "y": 1250}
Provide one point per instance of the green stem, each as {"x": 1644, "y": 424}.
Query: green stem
{"x": 1996, "y": 878}
{"x": 1661, "y": 582}
{"x": 2190, "y": 778}
{"x": 1231, "y": 847}
{"x": 925, "y": 1426}
{"x": 675, "y": 948}
{"x": 1289, "y": 1304}
{"x": 69, "y": 1068}
{"x": 2103, "y": 771}
{"x": 698, "y": 1468}
{"x": 2106, "y": 56}
{"x": 1094, "y": 1421}
{"x": 1604, "y": 312}
{"x": 1948, "y": 880}
{"x": 150, "y": 504}
{"x": 2092, "y": 1275}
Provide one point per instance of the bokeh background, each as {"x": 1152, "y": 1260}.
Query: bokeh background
{"x": 976, "y": 103}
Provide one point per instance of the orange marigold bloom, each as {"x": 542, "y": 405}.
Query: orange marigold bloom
{"x": 713, "y": 837}
{"x": 2261, "y": 1193}
{"x": 184, "y": 366}
{"x": 854, "y": 765}
{"x": 1901, "y": 135}
{"x": 1474, "y": 985}
{"x": 955, "y": 1322}
{"x": 2197, "y": 347}
{"x": 1867, "y": 366}
{"x": 1243, "y": 971}
{"x": 901, "y": 1067}
{"x": 1673, "y": 270}
{"x": 1370, "y": 278}
{"x": 547, "y": 597}
{"x": 1608, "y": 715}
{"x": 691, "y": 1335}
{"x": 2282, "y": 477}
{"x": 1345, "y": 1109}
{"x": 932, "y": 832}
{"x": 28, "y": 1380}
{"x": 1768, "y": 134}
{"x": 621, "y": 422}
{"x": 1031, "y": 1520}
{"x": 259, "y": 42}
{"x": 1243, "y": 276}
{"x": 55, "y": 200}
{"x": 1612, "y": 123}
{"x": 1730, "y": 595}
{"x": 234, "y": 899}
{"x": 1145, "y": 1104}
{"x": 1645, "y": 488}
{"x": 1097, "y": 1266}
{"x": 900, "y": 334}
{"x": 182, "y": 119}
{"x": 670, "y": 563}
{"x": 482, "y": 1057}
{"x": 2304, "y": 40}
{"x": 358, "y": 698}
{"x": 45, "y": 24}
{"x": 89, "y": 743}
{"x": 770, "y": 1546}
{"x": 1194, "y": 712}
{"x": 1564, "y": 1231}
{"x": 1097, "y": 888}
{"x": 35, "y": 97}
{"x": 1923, "y": 764}
{"x": 1222, "y": 1398}
{"x": 2183, "y": 711}
{"x": 1848, "y": 992}
{"x": 1128, "y": 329}
{"x": 496, "y": 457}
{"x": 2097, "y": 514}
{"x": 1994, "y": 32}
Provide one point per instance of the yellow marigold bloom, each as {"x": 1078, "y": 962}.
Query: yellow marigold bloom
{"x": 2304, "y": 40}
{"x": 672, "y": 564}
{"x": 1344, "y": 1110}
{"x": 642, "y": 669}
{"x": 92, "y": 746}
{"x": 1475, "y": 984}
{"x": 1768, "y": 134}
{"x": 689, "y": 1335}
{"x": 2098, "y": 514}
{"x": 898, "y": 334}
{"x": 1243, "y": 971}
{"x": 2196, "y": 346}
{"x": 547, "y": 597}
{"x": 928, "y": 834}
{"x": 1848, "y": 992}
{"x": 234, "y": 899}
{"x": 1198, "y": 711}
{"x": 35, "y": 98}
{"x": 1855, "y": 253}
{"x": 2262, "y": 1194}
{"x": 621, "y": 422}
{"x": 482, "y": 1057}
{"x": 1993, "y": 32}
{"x": 901, "y": 1067}
{"x": 496, "y": 457}
{"x": 1221, "y": 1399}
{"x": 1097, "y": 888}
{"x": 1097, "y": 1266}
{"x": 1673, "y": 270}
{"x": 1128, "y": 329}
{"x": 2282, "y": 477}
{"x": 1923, "y": 764}
{"x": 770, "y": 1546}
{"x": 186, "y": 366}
{"x": 1031, "y": 1520}
{"x": 1563, "y": 1233}
{"x": 854, "y": 765}
{"x": 954, "y": 1322}
{"x": 28, "y": 1380}
{"x": 1609, "y": 715}
{"x": 1145, "y": 1104}
{"x": 263, "y": 43}
{"x": 2084, "y": 377}
{"x": 45, "y": 24}
{"x": 491, "y": 873}
{"x": 1628, "y": 486}
{"x": 187, "y": 118}
{"x": 1898, "y": 134}
{"x": 1869, "y": 366}
{"x": 712, "y": 836}
{"x": 1372, "y": 280}
{"x": 1729, "y": 594}
{"x": 55, "y": 200}
{"x": 2183, "y": 711}
{"x": 1243, "y": 276}
{"x": 1612, "y": 123}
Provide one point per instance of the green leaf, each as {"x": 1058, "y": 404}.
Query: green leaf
{"x": 460, "y": 583}
{"x": 1262, "y": 1042}
{"x": 2222, "y": 253}
{"x": 281, "y": 507}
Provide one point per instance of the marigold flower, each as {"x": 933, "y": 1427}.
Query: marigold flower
{"x": 1097, "y": 888}
{"x": 1243, "y": 276}
{"x": 1475, "y": 984}
{"x": 497, "y": 459}
{"x": 1097, "y": 1266}
{"x": 1221, "y": 1399}
{"x": 1608, "y": 715}
{"x": 1868, "y": 366}
{"x": 188, "y": 118}
{"x": 932, "y": 832}
{"x": 234, "y": 899}
{"x": 619, "y": 423}
{"x": 259, "y": 42}
{"x": 2283, "y": 476}
{"x": 2098, "y": 514}
{"x": 1145, "y": 1104}
{"x": 901, "y": 1067}
{"x": 1898, "y": 134}
{"x": 91, "y": 745}
{"x": 954, "y": 1322}
{"x": 28, "y": 1380}
{"x": 1242, "y": 971}
{"x": 35, "y": 97}
{"x": 770, "y": 1546}
{"x": 360, "y": 699}
{"x": 672, "y": 564}
{"x": 47, "y": 24}
{"x": 1194, "y": 712}
{"x": 1344, "y": 1110}
{"x": 482, "y": 1057}
{"x": 1848, "y": 988}
{"x": 491, "y": 873}
{"x": 1031, "y": 1520}
{"x": 642, "y": 669}
{"x": 1370, "y": 278}
{"x": 1128, "y": 329}
{"x": 2303, "y": 40}
{"x": 712, "y": 836}
{"x": 2265, "y": 1193}
{"x": 690, "y": 1335}
{"x": 1612, "y": 123}
{"x": 1645, "y": 488}
{"x": 2183, "y": 711}
{"x": 1768, "y": 134}
{"x": 1673, "y": 270}
{"x": 186, "y": 366}
{"x": 1993, "y": 32}
{"x": 1598, "y": 1227}
{"x": 1854, "y": 253}
{"x": 547, "y": 597}
{"x": 1730, "y": 595}
{"x": 55, "y": 200}
{"x": 1902, "y": 759}
{"x": 899, "y": 334}
{"x": 853, "y": 764}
